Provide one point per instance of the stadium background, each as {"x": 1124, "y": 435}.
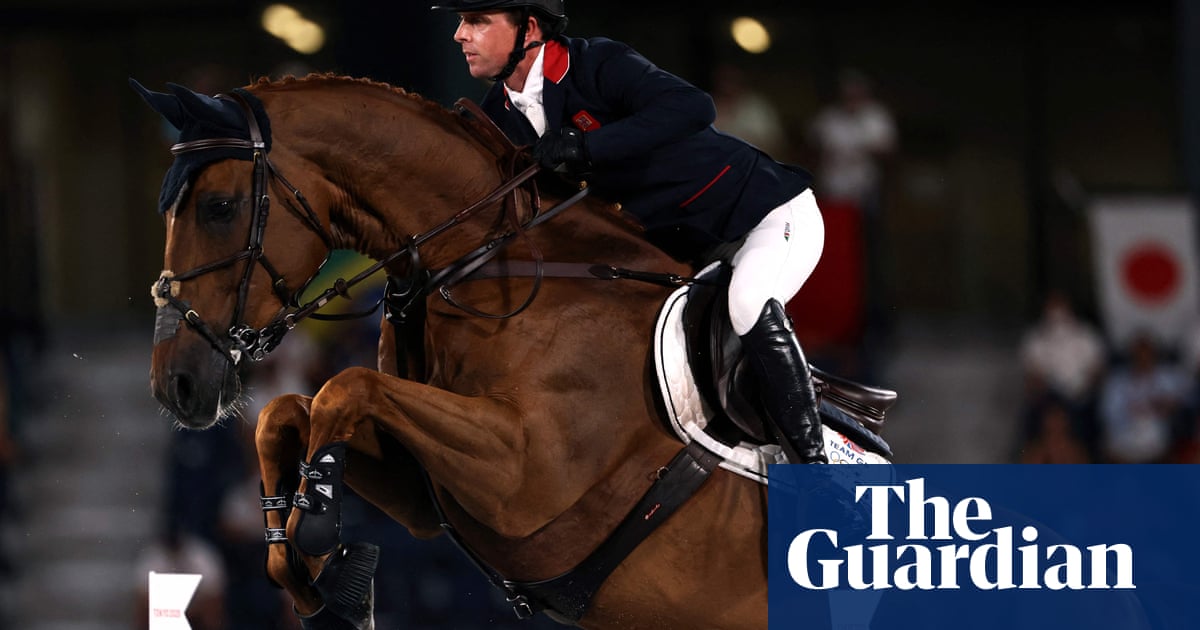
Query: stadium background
{"x": 1011, "y": 118}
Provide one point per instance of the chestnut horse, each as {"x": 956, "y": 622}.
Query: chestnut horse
{"x": 538, "y": 432}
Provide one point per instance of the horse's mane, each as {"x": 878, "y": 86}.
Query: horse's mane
{"x": 551, "y": 181}
{"x": 321, "y": 79}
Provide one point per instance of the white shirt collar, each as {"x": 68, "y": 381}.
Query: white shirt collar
{"x": 529, "y": 100}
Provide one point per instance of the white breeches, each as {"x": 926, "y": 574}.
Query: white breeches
{"x": 779, "y": 254}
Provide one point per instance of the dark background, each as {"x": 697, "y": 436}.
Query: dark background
{"x": 1004, "y": 113}
{"x": 1011, "y": 117}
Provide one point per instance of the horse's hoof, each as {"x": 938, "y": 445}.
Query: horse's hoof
{"x": 319, "y": 529}
{"x": 346, "y": 584}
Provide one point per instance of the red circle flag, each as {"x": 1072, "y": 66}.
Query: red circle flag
{"x": 1150, "y": 272}
{"x": 1147, "y": 266}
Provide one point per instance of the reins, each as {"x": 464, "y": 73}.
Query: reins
{"x": 256, "y": 343}
{"x": 244, "y": 341}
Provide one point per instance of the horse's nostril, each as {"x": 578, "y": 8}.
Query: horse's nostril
{"x": 181, "y": 391}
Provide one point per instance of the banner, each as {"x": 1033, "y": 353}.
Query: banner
{"x": 985, "y": 547}
{"x": 1144, "y": 251}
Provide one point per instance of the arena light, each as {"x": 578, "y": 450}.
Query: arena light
{"x": 750, "y": 34}
{"x": 300, "y": 33}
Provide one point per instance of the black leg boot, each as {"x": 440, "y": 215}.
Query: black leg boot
{"x": 787, "y": 388}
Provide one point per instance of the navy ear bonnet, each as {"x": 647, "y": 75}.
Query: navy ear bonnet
{"x": 199, "y": 117}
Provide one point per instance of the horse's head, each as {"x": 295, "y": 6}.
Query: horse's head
{"x": 234, "y": 261}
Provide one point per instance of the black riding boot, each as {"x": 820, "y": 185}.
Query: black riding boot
{"x": 787, "y": 388}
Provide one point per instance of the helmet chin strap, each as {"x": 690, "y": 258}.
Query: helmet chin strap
{"x": 519, "y": 51}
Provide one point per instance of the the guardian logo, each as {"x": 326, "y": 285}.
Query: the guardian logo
{"x": 954, "y": 548}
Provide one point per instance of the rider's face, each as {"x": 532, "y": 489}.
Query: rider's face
{"x": 487, "y": 39}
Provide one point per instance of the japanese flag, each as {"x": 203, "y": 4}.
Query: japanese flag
{"x": 1144, "y": 250}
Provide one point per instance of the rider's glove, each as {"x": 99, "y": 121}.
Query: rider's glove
{"x": 565, "y": 146}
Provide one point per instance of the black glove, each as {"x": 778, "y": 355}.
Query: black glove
{"x": 564, "y": 146}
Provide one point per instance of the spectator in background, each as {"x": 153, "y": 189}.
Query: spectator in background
{"x": 1063, "y": 358}
{"x": 1189, "y": 351}
{"x": 1187, "y": 448}
{"x": 745, "y": 113}
{"x": 1140, "y": 405}
{"x": 1054, "y": 439}
{"x": 852, "y": 136}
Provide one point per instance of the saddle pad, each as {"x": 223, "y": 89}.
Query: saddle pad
{"x": 689, "y": 414}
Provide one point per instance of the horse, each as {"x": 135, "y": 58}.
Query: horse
{"x": 530, "y": 434}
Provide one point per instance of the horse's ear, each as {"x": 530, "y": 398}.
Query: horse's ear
{"x": 165, "y": 104}
{"x": 207, "y": 108}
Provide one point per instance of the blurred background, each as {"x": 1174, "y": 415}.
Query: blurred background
{"x": 1008, "y": 193}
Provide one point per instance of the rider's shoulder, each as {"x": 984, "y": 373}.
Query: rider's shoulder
{"x": 597, "y": 47}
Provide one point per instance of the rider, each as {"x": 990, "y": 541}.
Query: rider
{"x": 645, "y": 139}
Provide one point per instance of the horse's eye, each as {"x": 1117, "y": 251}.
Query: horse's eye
{"x": 219, "y": 209}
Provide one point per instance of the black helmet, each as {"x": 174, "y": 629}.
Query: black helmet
{"x": 552, "y": 8}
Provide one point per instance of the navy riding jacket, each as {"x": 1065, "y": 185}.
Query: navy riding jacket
{"x": 653, "y": 148}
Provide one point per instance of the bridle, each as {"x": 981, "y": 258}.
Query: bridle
{"x": 242, "y": 340}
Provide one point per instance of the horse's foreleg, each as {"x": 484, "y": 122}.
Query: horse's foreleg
{"x": 335, "y": 591}
{"x": 478, "y": 440}
{"x": 325, "y": 576}
{"x": 279, "y": 440}
{"x": 332, "y": 591}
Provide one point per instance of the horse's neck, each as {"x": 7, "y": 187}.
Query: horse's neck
{"x": 396, "y": 167}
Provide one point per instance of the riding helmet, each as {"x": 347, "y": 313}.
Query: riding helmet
{"x": 552, "y": 8}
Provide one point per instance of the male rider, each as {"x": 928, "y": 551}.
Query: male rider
{"x": 645, "y": 139}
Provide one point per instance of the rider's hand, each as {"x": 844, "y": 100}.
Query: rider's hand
{"x": 565, "y": 146}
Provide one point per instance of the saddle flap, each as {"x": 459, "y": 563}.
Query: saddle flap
{"x": 864, "y": 403}
{"x": 715, "y": 353}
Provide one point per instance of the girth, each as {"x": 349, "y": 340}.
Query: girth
{"x": 566, "y": 598}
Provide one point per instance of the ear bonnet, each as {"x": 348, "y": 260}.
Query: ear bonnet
{"x": 199, "y": 117}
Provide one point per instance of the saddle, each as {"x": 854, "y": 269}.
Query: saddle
{"x": 725, "y": 381}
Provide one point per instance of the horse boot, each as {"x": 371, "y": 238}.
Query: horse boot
{"x": 346, "y": 581}
{"x": 319, "y": 530}
{"x": 786, "y": 385}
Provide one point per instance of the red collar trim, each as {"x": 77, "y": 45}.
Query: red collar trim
{"x": 556, "y": 62}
